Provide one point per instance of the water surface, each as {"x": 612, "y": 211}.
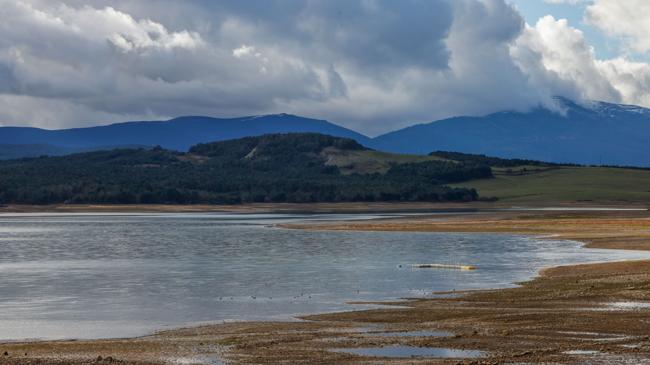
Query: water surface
{"x": 111, "y": 275}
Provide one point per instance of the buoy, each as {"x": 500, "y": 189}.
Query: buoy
{"x": 444, "y": 266}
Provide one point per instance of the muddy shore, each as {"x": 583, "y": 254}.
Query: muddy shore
{"x": 377, "y": 207}
{"x": 596, "y": 313}
{"x": 248, "y": 208}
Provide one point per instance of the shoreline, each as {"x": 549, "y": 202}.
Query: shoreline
{"x": 377, "y": 207}
{"x": 476, "y": 325}
{"x": 346, "y": 207}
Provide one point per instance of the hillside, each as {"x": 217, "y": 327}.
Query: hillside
{"x": 269, "y": 168}
{"x": 595, "y": 134}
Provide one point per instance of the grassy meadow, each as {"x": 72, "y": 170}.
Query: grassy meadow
{"x": 565, "y": 184}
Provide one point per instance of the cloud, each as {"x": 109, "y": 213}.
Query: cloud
{"x": 38, "y": 112}
{"x": 570, "y": 2}
{"x": 123, "y": 58}
{"x": 462, "y": 86}
{"x": 629, "y": 20}
{"x": 108, "y": 61}
{"x": 372, "y": 65}
{"x": 244, "y": 51}
{"x": 567, "y": 66}
{"x": 566, "y": 58}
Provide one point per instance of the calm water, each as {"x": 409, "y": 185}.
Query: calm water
{"x": 98, "y": 276}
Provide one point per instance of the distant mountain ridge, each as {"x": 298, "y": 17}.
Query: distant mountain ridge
{"x": 597, "y": 133}
{"x": 177, "y": 134}
{"x": 593, "y": 133}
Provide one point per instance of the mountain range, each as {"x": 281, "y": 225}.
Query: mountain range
{"x": 175, "y": 134}
{"x": 593, "y": 133}
{"x": 597, "y": 133}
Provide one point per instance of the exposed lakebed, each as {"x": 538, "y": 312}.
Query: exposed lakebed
{"x": 100, "y": 276}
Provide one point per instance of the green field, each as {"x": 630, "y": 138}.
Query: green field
{"x": 566, "y": 184}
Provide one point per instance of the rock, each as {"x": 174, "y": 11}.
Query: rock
{"x": 99, "y": 358}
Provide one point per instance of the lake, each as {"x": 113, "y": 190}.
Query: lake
{"x": 88, "y": 276}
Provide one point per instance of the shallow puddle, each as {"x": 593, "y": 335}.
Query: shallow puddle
{"x": 204, "y": 360}
{"x": 629, "y": 305}
{"x": 581, "y": 352}
{"x": 631, "y": 346}
{"x": 411, "y": 351}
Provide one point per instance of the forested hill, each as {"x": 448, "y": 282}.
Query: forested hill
{"x": 303, "y": 167}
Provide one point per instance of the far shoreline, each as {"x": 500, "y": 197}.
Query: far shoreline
{"x": 306, "y": 208}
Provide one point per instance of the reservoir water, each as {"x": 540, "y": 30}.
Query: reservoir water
{"x": 102, "y": 276}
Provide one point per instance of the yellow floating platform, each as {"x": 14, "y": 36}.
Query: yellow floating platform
{"x": 444, "y": 266}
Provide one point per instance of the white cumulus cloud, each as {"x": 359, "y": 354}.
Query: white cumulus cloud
{"x": 570, "y": 64}
{"x": 628, "y": 19}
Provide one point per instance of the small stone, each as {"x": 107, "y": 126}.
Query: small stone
{"x": 99, "y": 358}
{"x": 6, "y": 353}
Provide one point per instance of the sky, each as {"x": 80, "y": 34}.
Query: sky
{"x": 370, "y": 65}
